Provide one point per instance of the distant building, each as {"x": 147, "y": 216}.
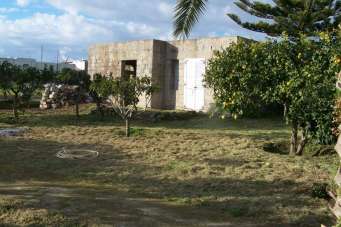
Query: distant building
{"x": 30, "y": 62}
{"x": 80, "y": 64}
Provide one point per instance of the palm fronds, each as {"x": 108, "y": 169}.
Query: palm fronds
{"x": 187, "y": 14}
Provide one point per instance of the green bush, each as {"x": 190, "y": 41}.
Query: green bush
{"x": 8, "y": 104}
{"x": 319, "y": 190}
{"x": 157, "y": 116}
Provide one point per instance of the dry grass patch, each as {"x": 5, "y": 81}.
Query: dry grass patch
{"x": 195, "y": 171}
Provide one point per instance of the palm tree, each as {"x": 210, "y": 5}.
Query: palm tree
{"x": 290, "y": 16}
{"x": 187, "y": 14}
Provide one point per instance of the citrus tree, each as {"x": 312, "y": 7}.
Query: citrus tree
{"x": 48, "y": 75}
{"x": 97, "y": 93}
{"x": 308, "y": 93}
{"x": 238, "y": 76}
{"x": 20, "y": 83}
{"x": 300, "y": 76}
{"x": 6, "y": 71}
{"x": 149, "y": 90}
{"x": 79, "y": 79}
{"x": 124, "y": 94}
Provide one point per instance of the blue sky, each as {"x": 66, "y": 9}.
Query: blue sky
{"x": 68, "y": 27}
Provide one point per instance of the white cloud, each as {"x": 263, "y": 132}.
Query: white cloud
{"x": 71, "y": 34}
{"x": 64, "y": 53}
{"x": 212, "y": 34}
{"x": 63, "y": 29}
{"x": 70, "y": 26}
{"x": 8, "y": 10}
{"x": 26, "y": 35}
{"x": 23, "y": 3}
{"x": 141, "y": 29}
{"x": 71, "y": 7}
{"x": 166, "y": 8}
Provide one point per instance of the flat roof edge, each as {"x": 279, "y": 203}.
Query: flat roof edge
{"x": 167, "y": 41}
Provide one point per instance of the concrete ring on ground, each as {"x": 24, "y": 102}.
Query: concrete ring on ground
{"x": 77, "y": 154}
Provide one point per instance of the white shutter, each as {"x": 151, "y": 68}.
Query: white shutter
{"x": 199, "y": 85}
{"x": 189, "y": 85}
{"x": 194, "y": 70}
{"x": 199, "y": 72}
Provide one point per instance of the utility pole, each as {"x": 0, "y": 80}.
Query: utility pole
{"x": 41, "y": 56}
{"x": 58, "y": 61}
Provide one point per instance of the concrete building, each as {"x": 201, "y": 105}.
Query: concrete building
{"x": 30, "y": 62}
{"x": 177, "y": 67}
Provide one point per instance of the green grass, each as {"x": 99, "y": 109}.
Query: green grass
{"x": 191, "y": 172}
{"x": 7, "y": 104}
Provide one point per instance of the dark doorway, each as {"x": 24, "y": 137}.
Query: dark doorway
{"x": 129, "y": 69}
{"x": 174, "y": 77}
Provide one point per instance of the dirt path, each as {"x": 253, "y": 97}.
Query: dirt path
{"x": 104, "y": 208}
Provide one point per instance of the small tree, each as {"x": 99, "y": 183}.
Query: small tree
{"x": 124, "y": 94}
{"x": 95, "y": 87}
{"x": 149, "y": 90}
{"x": 33, "y": 81}
{"x": 20, "y": 83}
{"x": 6, "y": 71}
{"x": 48, "y": 75}
{"x": 79, "y": 79}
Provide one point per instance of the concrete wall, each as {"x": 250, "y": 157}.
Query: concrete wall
{"x": 158, "y": 72}
{"x": 107, "y": 58}
{"x": 158, "y": 59}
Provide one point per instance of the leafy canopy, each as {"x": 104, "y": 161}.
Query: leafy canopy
{"x": 290, "y": 16}
{"x": 187, "y": 14}
{"x": 300, "y": 75}
{"x": 20, "y": 83}
{"x": 124, "y": 93}
{"x": 74, "y": 77}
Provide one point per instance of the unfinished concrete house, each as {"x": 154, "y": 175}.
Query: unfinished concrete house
{"x": 176, "y": 67}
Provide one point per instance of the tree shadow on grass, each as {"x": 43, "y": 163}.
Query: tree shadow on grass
{"x": 119, "y": 188}
{"x": 63, "y": 117}
{"x": 258, "y": 128}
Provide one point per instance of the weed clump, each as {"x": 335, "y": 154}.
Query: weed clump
{"x": 319, "y": 190}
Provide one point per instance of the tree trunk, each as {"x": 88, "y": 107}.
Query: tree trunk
{"x": 285, "y": 111}
{"x": 5, "y": 95}
{"x": 77, "y": 109}
{"x": 293, "y": 142}
{"x": 99, "y": 108}
{"x": 77, "y": 101}
{"x": 127, "y": 128}
{"x": 15, "y": 110}
{"x": 302, "y": 144}
{"x": 148, "y": 102}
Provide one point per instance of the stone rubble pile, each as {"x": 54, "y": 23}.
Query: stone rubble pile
{"x": 58, "y": 95}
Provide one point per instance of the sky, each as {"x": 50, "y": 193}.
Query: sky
{"x": 68, "y": 27}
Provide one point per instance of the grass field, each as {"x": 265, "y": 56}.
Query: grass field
{"x": 194, "y": 172}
